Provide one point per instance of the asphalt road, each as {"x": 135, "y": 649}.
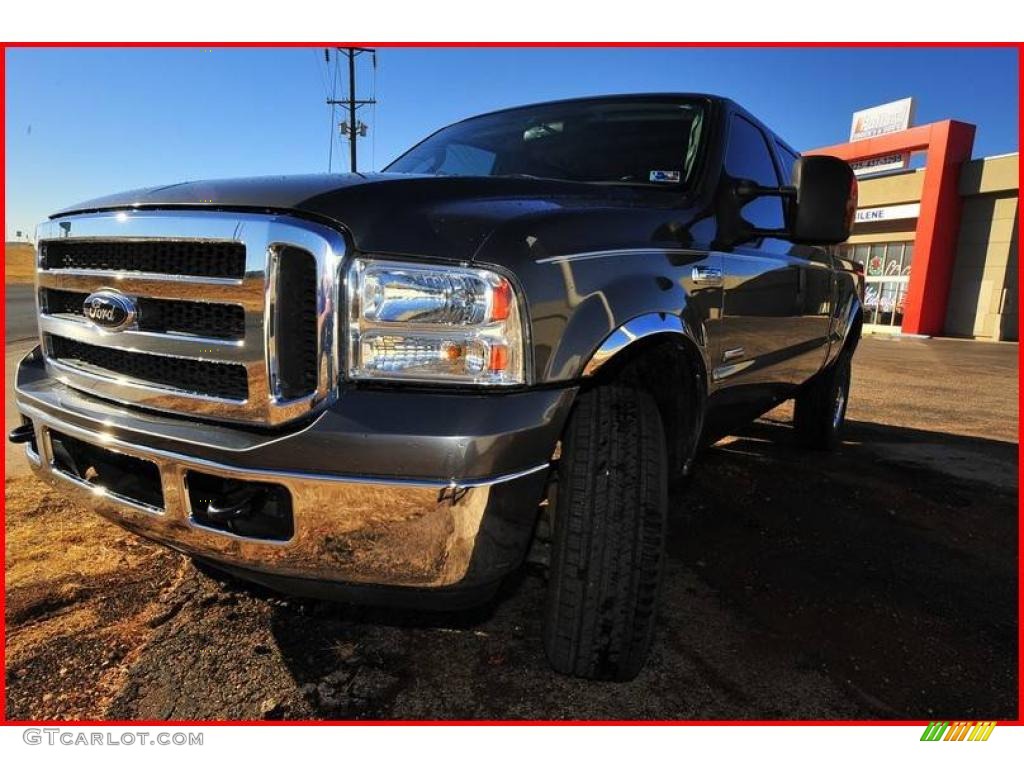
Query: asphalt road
{"x": 877, "y": 582}
{"x": 21, "y": 332}
{"x": 20, "y": 312}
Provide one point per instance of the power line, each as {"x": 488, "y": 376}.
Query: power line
{"x": 322, "y": 72}
{"x": 373, "y": 136}
{"x": 333, "y": 103}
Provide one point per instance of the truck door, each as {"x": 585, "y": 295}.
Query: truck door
{"x": 776, "y": 297}
{"x": 818, "y": 285}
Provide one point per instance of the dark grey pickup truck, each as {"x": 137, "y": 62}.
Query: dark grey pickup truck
{"x": 383, "y": 387}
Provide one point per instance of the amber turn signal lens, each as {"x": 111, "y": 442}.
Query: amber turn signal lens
{"x": 501, "y": 300}
{"x": 499, "y": 358}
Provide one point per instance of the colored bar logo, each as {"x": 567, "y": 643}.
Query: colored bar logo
{"x": 964, "y": 730}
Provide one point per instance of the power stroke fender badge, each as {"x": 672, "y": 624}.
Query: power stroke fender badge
{"x": 110, "y": 310}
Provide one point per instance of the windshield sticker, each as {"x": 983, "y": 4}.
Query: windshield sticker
{"x": 665, "y": 176}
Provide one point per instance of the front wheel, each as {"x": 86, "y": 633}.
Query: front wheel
{"x": 820, "y": 410}
{"x": 609, "y": 535}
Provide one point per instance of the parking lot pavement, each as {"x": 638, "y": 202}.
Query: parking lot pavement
{"x": 15, "y": 454}
{"x": 876, "y": 582}
{"x": 21, "y": 333}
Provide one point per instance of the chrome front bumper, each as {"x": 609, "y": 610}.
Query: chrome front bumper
{"x": 364, "y": 530}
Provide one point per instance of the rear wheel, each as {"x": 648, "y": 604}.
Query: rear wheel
{"x": 820, "y": 410}
{"x": 609, "y": 535}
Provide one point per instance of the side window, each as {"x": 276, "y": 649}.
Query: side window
{"x": 748, "y": 157}
{"x": 787, "y": 158}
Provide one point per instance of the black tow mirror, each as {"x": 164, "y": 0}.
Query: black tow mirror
{"x": 826, "y": 200}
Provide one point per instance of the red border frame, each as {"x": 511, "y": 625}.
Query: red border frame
{"x": 525, "y": 44}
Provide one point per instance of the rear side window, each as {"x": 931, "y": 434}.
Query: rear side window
{"x": 748, "y": 157}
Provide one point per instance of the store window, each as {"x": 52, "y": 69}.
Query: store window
{"x": 886, "y": 277}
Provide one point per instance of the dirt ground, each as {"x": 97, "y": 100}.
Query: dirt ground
{"x": 878, "y": 582}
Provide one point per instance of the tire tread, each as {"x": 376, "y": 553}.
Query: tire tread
{"x": 609, "y": 536}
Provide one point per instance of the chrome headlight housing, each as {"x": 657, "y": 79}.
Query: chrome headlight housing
{"x": 438, "y": 324}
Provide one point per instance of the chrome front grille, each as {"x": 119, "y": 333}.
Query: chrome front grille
{"x": 194, "y": 318}
{"x": 170, "y": 257}
{"x": 198, "y": 377}
{"x": 235, "y": 314}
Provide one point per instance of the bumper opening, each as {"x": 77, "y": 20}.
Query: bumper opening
{"x": 242, "y": 507}
{"x": 25, "y": 434}
{"x": 127, "y": 477}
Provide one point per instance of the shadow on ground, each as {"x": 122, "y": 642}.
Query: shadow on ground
{"x": 799, "y": 585}
{"x": 898, "y": 582}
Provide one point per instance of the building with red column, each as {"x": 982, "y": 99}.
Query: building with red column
{"x": 938, "y": 243}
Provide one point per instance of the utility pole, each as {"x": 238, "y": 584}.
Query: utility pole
{"x": 354, "y": 128}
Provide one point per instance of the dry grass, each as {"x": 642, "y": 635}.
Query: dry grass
{"x": 82, "y": 595}
{"x": 50, "y": 539}
{"x": 56, "y": 554}
{"x": 19, "y": 263}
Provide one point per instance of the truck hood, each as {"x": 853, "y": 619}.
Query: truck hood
{"x": 424, "y": 216}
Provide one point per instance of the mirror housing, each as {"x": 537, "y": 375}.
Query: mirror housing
{"x": 826, "y": 200}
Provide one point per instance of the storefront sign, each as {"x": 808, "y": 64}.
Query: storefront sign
{"x": 894, "y": 162}
{"x": 887, "y": 213}
{"x": 885, "y": 118}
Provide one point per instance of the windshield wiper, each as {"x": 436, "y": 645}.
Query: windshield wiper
{"x": 519, "y": 176}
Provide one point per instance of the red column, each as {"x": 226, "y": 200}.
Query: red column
{"x": 938, "y": 225}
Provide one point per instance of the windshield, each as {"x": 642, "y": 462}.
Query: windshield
{"x": 653, "y": 143}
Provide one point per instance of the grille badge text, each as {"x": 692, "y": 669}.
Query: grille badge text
{"x": 110, "y": 310}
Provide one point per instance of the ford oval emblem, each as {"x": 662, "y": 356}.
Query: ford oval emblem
{"x": 110, "y": 310}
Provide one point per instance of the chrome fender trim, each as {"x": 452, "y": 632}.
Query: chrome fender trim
{"x": 842, "y": 324}
{"x": 632, "y": 331}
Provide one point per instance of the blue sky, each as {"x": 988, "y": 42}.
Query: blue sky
{"x": 86, "y": 122}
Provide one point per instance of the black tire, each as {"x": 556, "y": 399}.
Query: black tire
{"x": 609, "y": 536}
{"x": 820, "y": 410}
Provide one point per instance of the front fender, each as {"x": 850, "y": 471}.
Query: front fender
{"x": 586, "y": 310}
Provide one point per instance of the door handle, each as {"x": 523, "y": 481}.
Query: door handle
{"x": 707, "y": 275}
